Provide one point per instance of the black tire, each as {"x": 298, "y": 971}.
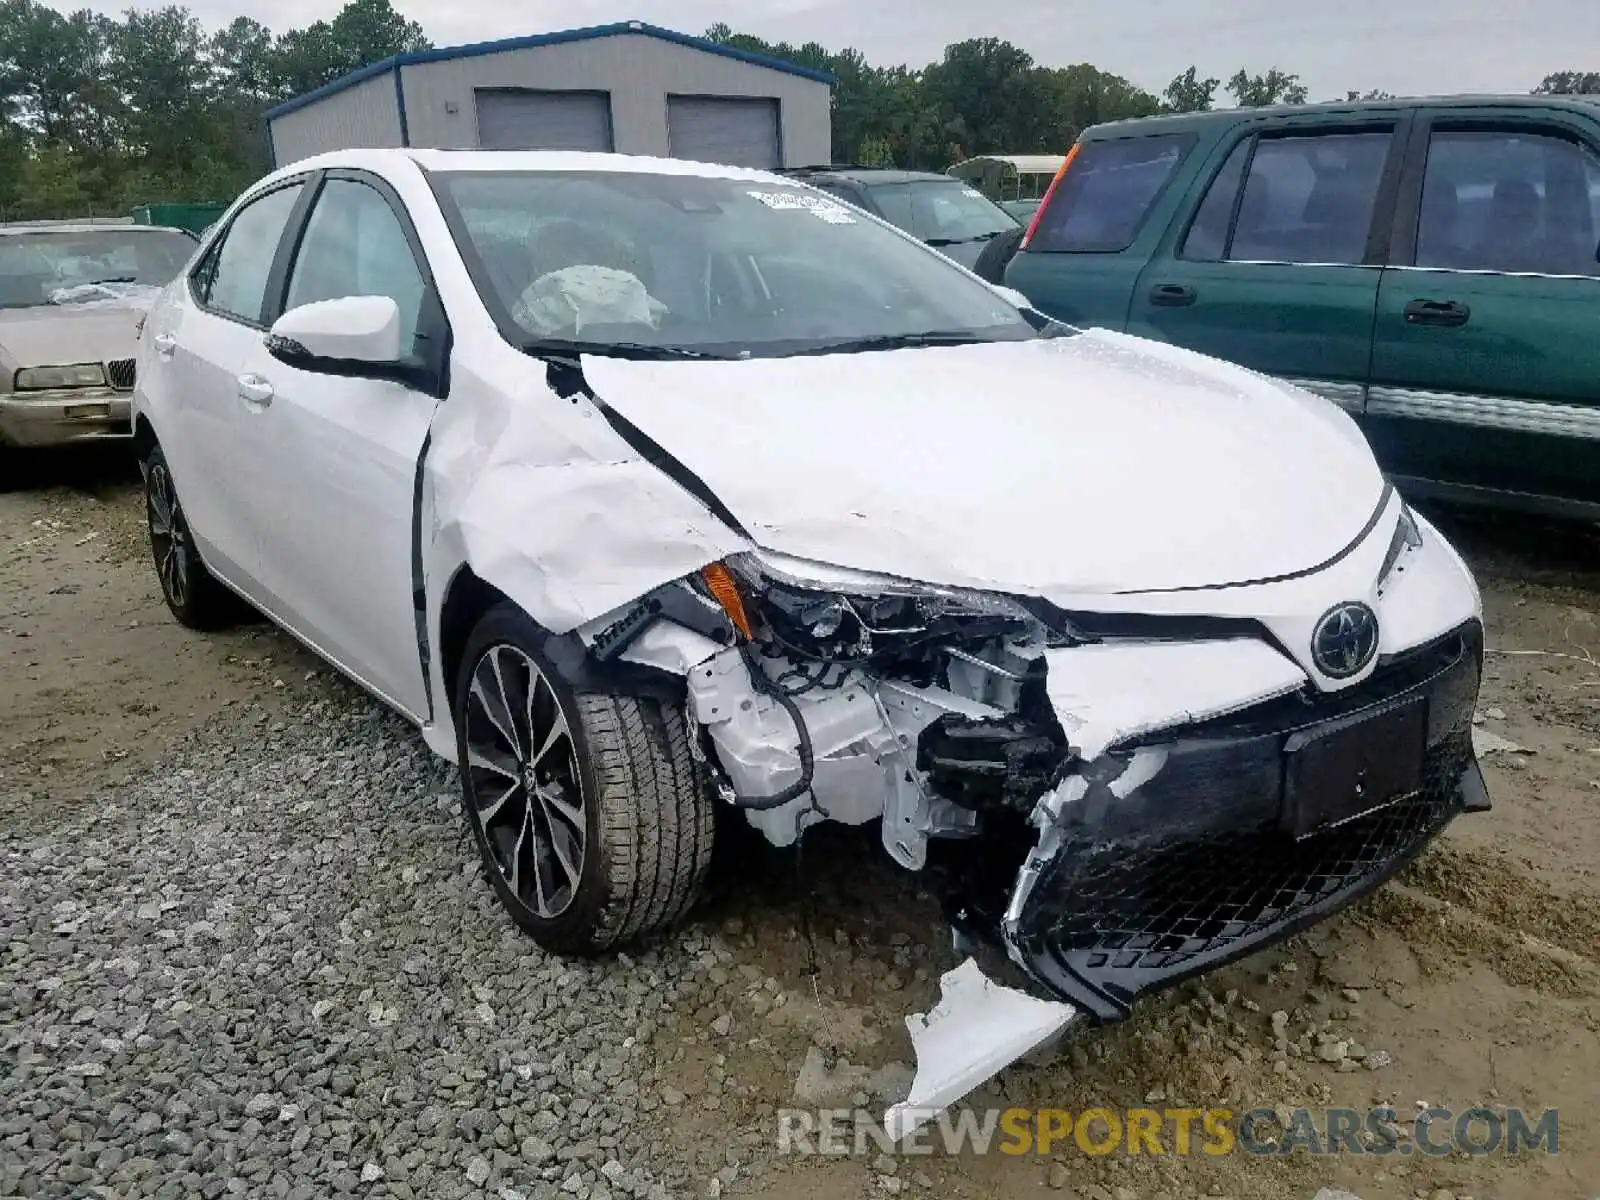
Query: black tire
{"x": 646, "y": 814}
{"x": 997, "y": 255}
{"x": 193, "y": 594}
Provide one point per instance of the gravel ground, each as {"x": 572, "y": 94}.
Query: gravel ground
{"x": 269, "y": 972}
{"x": 246, "y": 949}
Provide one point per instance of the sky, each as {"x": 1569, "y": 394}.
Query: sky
{"x": 1409, "y": 48}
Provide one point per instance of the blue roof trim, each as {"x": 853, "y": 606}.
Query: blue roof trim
{"x": 400, "y": 107}
{"x": 473, "y": 50}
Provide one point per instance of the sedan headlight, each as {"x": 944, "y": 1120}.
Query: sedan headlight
{"x": 77, "y": 375}
{"x": 837, "y": 612}
{"x": 1407, "y": 537}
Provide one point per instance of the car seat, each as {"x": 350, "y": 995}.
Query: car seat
{"x": 1511, "y": 236}
{"x": 1438, "y": 240}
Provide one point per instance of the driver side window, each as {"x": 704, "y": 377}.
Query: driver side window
{"x": 354, "y": 245}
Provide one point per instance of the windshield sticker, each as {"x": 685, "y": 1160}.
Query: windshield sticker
{"x": 973, "y": 192}
{"x": 830, "y": 211}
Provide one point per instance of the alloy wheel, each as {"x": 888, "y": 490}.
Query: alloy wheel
{"x": 169, "y": 535}
{"x": 523, "y": 780}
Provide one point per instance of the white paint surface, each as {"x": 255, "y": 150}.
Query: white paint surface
{"x": 1080, "y": 464}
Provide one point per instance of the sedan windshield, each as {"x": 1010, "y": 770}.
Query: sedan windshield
{"x": 940, "y": 212}
{"x": 67, "y": 267}
{"x": 684, "y": 263}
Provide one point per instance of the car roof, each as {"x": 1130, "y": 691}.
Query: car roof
{"x": 1025, "y": 164}
{"x": 18, "y": 227}
{"x": 392, "y": 162}
{"x": 1222, "y": 117}
{"x": 866, "y": 175}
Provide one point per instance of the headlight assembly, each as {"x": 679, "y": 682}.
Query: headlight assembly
{"x": 77, "y": 375}
{"x": 1407, "y": 537}
{"x": 841, "y": 614}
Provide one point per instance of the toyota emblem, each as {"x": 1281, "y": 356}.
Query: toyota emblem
{"x": 1345, "y": 640}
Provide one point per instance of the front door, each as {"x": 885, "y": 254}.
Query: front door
{"x": 341, "y": 454}
{"x": 1279, "y": 266}
{"x": 1486, "y": 362}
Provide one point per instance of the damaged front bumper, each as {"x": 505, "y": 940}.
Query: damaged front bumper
{"x": 1186, "y": 850}
{"x": 1115, "y": 807}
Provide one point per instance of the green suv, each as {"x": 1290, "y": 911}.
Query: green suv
{"x": 1433, "y": 266}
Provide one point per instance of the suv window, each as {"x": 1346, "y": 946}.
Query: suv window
{"x": 233, "y": 278}
{"x": 1308, "y": 198}
{"x": 354, "y": 245}
{"x": 1103, "y": 199}
{"x": 1509, "y": 200}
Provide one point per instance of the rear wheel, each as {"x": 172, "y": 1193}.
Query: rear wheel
{"x": 191, "y": 592}
{"x": 589, "y": 813}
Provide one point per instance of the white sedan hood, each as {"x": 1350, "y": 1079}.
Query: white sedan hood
{"x": 1092, "y": 464}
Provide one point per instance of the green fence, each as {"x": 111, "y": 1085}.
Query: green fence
{"x": 193, "y": 217}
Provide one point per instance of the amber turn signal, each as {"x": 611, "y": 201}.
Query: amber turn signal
{"x": 720, "y": 580}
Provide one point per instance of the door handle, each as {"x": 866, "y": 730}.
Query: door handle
{"x": 255, "y": 391}
{"x": 165, "y": 344}
{"x": 1437, "y": 312}
{"x": 1172, "y": 295}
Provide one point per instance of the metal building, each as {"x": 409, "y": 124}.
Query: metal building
{"x": 629, "y": 87}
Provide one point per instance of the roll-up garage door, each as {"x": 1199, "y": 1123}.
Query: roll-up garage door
{"x": 513, "y": 119}
{"x": 740, "y": 131}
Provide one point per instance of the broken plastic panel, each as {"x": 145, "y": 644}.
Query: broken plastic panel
{"x": 978, "y": 1028}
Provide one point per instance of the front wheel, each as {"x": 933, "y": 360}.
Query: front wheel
{"x": 587, "y": 808}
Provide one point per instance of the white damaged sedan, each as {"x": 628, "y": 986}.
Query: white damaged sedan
{"x": 656, "y": 491}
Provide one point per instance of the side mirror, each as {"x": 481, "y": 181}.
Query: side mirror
{"x": 1013, "y": 296}
{"x": 353, "y": 335}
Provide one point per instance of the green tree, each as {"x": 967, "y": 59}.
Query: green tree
{"x": 364, "y": 32}
{"x": 1569, "y": 83}
{"x": 1374, "y": 94}
{"x": 1258, "y": 91}
{"x": 1190, "y": 93}
{"x": 97, "y": 114}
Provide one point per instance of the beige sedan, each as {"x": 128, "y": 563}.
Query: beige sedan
{"x": 71, "y": 299}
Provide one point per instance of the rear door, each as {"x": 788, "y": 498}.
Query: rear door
{"x": 197, "y": 348}
{"x": 1486, "y": 364}
{"x": 1276, "y": 263}
{"x": 1103, "y": 221}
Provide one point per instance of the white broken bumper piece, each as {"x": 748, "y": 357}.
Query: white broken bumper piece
{"x": 978, "y": 1028}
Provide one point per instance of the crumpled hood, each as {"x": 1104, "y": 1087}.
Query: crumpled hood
{"x": 1091, "y": 464}
{"x": 51, "y": 335}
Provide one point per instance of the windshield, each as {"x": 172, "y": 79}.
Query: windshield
{"x": 729, "y": 267}
{"x": 85, "y": 266}
{"x": 941, "y": 212}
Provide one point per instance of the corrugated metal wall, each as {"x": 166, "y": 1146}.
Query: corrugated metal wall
{"x": 639, "y": 72}
{"x": 366, "y": 116}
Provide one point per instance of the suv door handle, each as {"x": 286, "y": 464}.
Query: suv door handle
{"x": 1437, "y": 312}
{"x": 165, "y": 344}
{"x": 255, "y": 391}
{"x": 1172, "y": 295}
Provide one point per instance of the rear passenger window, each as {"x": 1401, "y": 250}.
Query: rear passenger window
{"x": 233, "y": 277}
{"x": 1107, "y": 192}
{"x": 1509, "y": 200}
{"x": 1207, "y": 239}
{"x": 1309, "y": 198}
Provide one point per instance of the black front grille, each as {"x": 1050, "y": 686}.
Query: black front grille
{"x": 1186, "y": 908}
{"x": 120, "y": 373}
{"x": 1195, "y": 869}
